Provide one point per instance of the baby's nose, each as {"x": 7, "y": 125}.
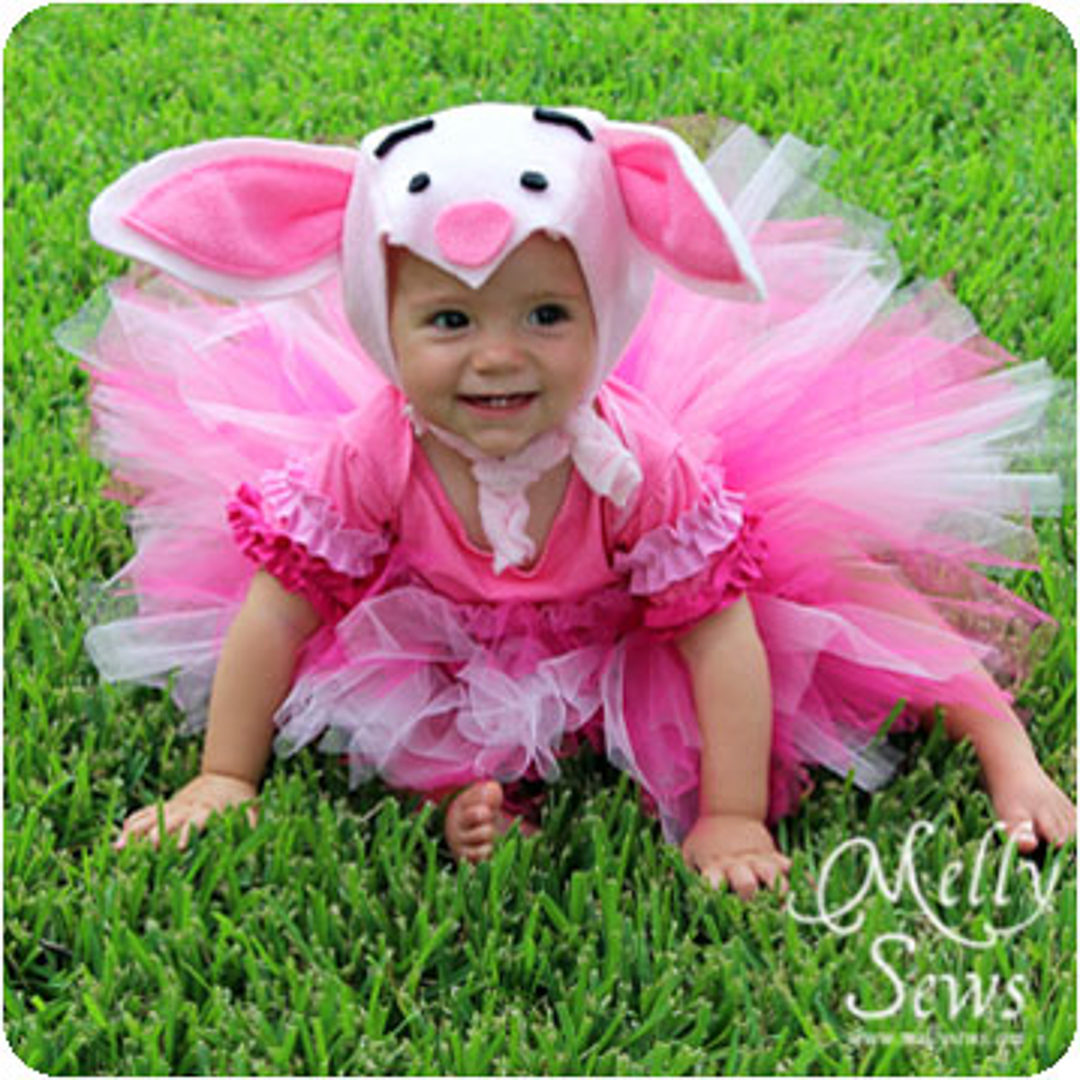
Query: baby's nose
{"x": 496, "y": 352}
{"x": 472, "y": 234}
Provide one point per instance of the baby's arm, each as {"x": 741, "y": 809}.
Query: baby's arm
{"x": 730, "y": 677}
{"x": 253, "y": 677}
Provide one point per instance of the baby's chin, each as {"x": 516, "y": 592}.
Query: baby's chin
{"x": 499, "y": 433}
{"x": 500, "y": 444}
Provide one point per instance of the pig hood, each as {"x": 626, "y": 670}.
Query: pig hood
{"x": 463, "y": 188}
{"x": 257, "y": 218}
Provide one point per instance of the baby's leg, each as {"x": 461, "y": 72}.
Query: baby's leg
{"x": 1026, "y": 801}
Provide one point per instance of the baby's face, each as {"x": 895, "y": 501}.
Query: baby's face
{"x": 501, "y": 364}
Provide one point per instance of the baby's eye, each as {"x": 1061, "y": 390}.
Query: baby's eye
{"x": 449, "y": 320}
{"x": 548, "y": 315}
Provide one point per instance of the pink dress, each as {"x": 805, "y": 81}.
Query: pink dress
{"x": 439, "y": 671}
{"x": 841, "y": 454}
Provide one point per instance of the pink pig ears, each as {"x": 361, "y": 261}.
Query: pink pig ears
{"x": 674, "y": 209}
{"x": 240, "y": 217}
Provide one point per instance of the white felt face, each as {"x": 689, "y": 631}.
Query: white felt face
{"x": 470, "y": 188}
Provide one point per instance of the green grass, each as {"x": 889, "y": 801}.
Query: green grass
{"x": 337, "y": 937}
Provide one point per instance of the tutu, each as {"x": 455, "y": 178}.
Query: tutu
{"x": 866, "y": 432}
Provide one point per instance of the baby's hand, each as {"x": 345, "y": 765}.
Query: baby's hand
{"x": 735, "y": 849}
{"x": 189, "y": 809}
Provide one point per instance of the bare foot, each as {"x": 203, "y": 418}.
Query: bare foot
{"x": 1032, "y": 807}
{"x": 474, "y": 821}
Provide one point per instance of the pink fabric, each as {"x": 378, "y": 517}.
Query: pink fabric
{"x": 719, "y": 582}
{"x": 671, "y": 553}
{"x": 599, "y": 457}
{"x": 667, "y": 213}
{"x": 473, "y": 234}
{"x": 251, "y": 217}
{"x": 311, "y": 519}
{"x": 373, "y": 481}
{"x": 331, "y": 592}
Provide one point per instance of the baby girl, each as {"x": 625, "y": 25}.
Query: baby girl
{"x": 528, "y": 430}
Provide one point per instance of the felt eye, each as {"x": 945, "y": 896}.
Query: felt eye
{"x": 534, "y": 181}
{"x": 420, "y": 182}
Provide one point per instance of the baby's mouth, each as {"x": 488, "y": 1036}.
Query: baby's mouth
{"x": 498, "y": 402}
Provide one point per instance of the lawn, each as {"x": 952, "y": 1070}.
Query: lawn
{"x": 337, "y": 937}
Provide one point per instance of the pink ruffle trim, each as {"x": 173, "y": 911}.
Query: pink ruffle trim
{"x": 701, "y": 563}
{"x": 311, "y": 519}
{"x": 332, "y": 593}
{"x": 672, "y": 553}
{"x": 712, "y": 589}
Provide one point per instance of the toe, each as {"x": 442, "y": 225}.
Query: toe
{"x": 477, "y": 834}
{"x": 471, "y": 818}
{"x": 1021, "y": 831}
{"x": 475, "y": 853}
{"x": 1057, "y": 825}
{"x": 477, "y": 816}
{"x": 490, "y": 794}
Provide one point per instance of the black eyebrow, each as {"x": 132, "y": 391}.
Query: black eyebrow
{"x": 391, "y": 140}
{"x": 553, "y": 116}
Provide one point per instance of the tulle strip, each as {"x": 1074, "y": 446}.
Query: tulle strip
{"x": 193, "y": 396}
{"x": 178, "y": 651}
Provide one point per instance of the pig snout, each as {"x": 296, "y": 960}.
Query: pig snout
{"x": 473, "y": 234}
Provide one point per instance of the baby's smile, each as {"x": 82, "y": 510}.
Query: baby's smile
{"x": 500, "y": 404}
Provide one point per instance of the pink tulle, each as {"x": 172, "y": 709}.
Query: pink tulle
{"x": 873, "y": 434}
{"x": 450, "y": 693}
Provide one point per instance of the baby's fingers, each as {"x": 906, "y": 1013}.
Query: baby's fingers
{"x": 199, "y": 816}
{"x": 746, "y": 877}
{"x": 743, "y": 880}
{"x": 187, "y": 828}
{"x": 772, "y": 872}
{"x": 151, "y": 823}
{"x": 137, "y": 826}
{"x": 179, "y": 818}
{"x": 168, "y": 821}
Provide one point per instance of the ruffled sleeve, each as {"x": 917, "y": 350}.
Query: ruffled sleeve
{"x": 322, "y": 527}
{"x": 691, "y": 549}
